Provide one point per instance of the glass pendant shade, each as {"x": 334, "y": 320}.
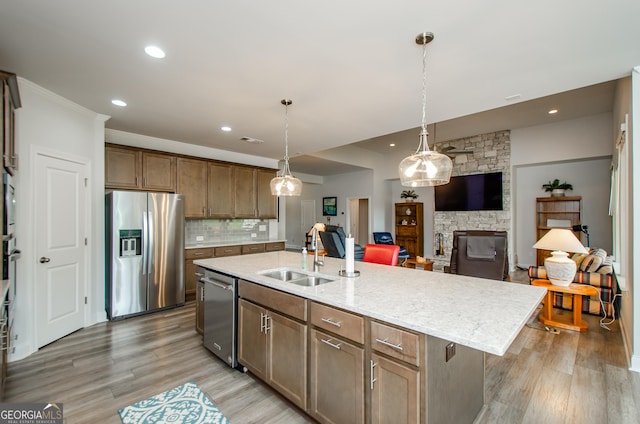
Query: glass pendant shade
{"x": 425, "y": 167}
{"x": 285, "y": 184}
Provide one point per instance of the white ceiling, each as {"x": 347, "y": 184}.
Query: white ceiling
{"x": 352, "y": 68}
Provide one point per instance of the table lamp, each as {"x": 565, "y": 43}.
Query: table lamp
{"x": 560, "y": 269}
{"x": 318, "y": 226}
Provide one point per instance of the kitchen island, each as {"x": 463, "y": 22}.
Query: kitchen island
{"x": 455, "y": 319}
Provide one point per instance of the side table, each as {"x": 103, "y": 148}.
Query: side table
{"x": 577, "y": 291}
{"x": 411, "y": 263}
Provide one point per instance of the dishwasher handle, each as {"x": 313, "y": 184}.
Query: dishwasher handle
{"x": 224, "y": 286}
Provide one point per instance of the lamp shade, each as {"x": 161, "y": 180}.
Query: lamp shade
{"x": 425, "y": 168}
{"x": 286, "y": 185}
{"x": 560, "y": 269}
{"x": 560, "y": 239}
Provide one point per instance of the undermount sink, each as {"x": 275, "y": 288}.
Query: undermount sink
{"x": 296, "y": 277}
{"x": 284, "y": 274}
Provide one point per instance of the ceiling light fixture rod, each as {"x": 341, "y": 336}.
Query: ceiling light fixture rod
{"x": 423, "y": 39}
{"x": 425, "y": 167}
{"x": 286, "y": 103}
{"x": 285, "y": 184}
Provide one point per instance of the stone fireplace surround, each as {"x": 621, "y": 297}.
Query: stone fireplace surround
{"x": 491, "y": 153}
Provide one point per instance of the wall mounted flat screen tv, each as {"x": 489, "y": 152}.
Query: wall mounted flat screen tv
{"x": 477, "y": 192}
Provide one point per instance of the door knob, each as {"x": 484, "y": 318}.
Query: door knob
{"x": 44, "y": 260}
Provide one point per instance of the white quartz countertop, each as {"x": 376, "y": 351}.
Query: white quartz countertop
{"x": 482, "y": 314}
{"x": 228, "y": 243}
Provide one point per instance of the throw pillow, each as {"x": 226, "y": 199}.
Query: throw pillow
{"x": 592, "y": 262}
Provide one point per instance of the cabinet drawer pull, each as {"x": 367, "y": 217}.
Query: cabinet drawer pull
{"x": 267, "y": 323}
{"x": 391, "y": 345}
{"x": 330, "y": 321}
{"x": 262, "y": 322}
{"x": 333, "y": 345}
{"x": 198, "y": 253}
{"x": 372, "y": 366}
{"x": 199, "y": 274}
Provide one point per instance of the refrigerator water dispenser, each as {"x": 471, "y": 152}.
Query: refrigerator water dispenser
{"x": 130, "y": 243}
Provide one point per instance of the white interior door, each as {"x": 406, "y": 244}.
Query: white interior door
{"x": 59, "y": 216}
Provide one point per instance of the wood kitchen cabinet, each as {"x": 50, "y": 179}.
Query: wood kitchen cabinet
{"x": 394, "y": 380}
{"x": 245, "y": 201}
{"x": 190, "y": 270}
{"x": 267, "y": 202}
{"x": 252, "y": 195}
{"x": 10, "y": 102}
{"x": 220, "y": 186}
{"x": 336, "y": 368}
{"x": 130, "y": 168}
{"x": 222, "y": 190}
{"x": 192, "y": 183}
{"x": 272, "y": 339}
{"x": 200, "y": 307}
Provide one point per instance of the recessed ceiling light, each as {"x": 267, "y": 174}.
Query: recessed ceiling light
{"x": 118, "y": 102}
{"x": 225, "y": 128}
{"x": 552, "y": 111}
{"x": 154, "y": 51}
{"x": 392, "y": 144}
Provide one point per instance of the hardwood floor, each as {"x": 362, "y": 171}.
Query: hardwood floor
{"x": 563, "y": 378}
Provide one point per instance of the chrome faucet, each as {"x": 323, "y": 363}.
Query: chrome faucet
{"x": 317, "y": 263}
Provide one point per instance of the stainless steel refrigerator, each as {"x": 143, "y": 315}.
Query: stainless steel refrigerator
{"x": 145, "y": 252}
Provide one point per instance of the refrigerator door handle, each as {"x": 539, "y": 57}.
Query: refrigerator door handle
{"x": 150, "y": 241}
{"x": 145, "y": 243}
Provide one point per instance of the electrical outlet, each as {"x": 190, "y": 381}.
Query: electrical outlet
{"x": 450, "y": 351}
{"x": 262, "y": 228}
{"x": 199, "y": 238}
{"x": 254, "y": 235}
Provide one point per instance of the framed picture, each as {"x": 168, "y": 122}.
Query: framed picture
{"x": 329, "y": 206}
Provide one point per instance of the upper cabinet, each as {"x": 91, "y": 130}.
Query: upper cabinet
{"x": 129, "y": 168}
{"x": 10, "y": 102}
{"x": 211, "y": 189}
{"x": 253, "y": 198}
{"x": 222, "y": 190}
{"x": 245, "y": 193}
{"x": 220, "y": 196}
{"x": 192, "y": 183}
{"x": 267, "y": 202}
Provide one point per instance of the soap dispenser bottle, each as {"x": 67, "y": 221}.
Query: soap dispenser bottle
{"x": 303, "y": 261}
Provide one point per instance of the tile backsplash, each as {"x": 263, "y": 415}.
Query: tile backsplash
{"x": 229, "y": 230}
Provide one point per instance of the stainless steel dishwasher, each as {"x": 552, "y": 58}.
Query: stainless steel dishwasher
{"x": 220, "y": 314}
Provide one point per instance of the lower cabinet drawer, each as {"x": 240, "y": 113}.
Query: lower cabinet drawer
{"x": 395, "y": 342}
{"x": 337, "y": 321}
{"x": 274, "y": 246}
{"x": 285, "y": 303}
{"x": 227, "y": 251}
{"x": 252, "y": 248}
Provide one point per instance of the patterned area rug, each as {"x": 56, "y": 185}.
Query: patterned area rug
{"x": 181, "y": 405}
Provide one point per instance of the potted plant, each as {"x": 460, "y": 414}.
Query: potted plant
{"x": 410, "y": 195}
{"x": 556, "y": 188}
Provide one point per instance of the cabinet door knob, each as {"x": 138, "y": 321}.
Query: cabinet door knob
{"x": 44, "y": 260}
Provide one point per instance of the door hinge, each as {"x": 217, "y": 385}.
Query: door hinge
{"x": 85, "y": 300}
{"x": 85, "y": 241}
{"x": 86, "y": 181}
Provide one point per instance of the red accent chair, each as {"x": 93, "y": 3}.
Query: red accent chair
{"x": 381, "y": 254}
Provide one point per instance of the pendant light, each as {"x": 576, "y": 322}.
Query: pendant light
{"x": 285, "y": 184}
{"x": 425, "y": 167}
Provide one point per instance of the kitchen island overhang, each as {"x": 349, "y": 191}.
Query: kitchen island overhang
{"x": 481, "y": 314}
